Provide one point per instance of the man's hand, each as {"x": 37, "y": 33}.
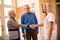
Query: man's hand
{"x": 33, "y": 26}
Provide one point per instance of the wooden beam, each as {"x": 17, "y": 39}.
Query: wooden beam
{"x": 15, "y": 8}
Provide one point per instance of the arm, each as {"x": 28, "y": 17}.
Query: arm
{"x": 50, "y": 30}
{"x": 15, "y": 24}
{"x": 40, "y": 24}
{"x": 51, "y": 21}
{"x": 22, "y": 22}
{"x": 37, "y": 21}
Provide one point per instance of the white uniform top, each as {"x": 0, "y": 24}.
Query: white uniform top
{"x": 50, "y": 17}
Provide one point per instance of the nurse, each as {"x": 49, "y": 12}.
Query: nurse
{"x": 49, "y": 23}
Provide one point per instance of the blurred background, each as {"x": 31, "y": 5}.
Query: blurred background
{"x": 18, "y": 6}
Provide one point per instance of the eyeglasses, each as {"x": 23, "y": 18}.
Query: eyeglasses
{"x": 28, "y": 8}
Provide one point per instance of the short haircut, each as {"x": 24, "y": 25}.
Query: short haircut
{"x": 26, "y": 6}
{"x": 10, "y": 12}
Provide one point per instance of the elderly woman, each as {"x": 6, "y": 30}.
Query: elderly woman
{"x": 13, "y": 27}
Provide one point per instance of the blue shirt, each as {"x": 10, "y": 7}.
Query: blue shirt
{"x": 28, "y": 19}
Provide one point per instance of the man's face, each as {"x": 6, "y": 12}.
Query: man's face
{"x": 12, "y": 14}
{"x": 27, "y": 9}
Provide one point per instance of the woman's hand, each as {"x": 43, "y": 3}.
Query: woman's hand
{"x": 33, "y": 26}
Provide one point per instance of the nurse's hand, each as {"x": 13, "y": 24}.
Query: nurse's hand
{"x": 33, "y": 26}
{"x": 40, "y": 24}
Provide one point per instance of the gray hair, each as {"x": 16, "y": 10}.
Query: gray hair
{"x": 26, "y": 6}
{"x": 10, "y": 12}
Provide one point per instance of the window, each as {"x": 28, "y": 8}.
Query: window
{"x": 0, "y": 28}
{"x": 0, "y": 22}
{"x": 0, "y": 1}
{"x": 8, "y": 2}
{"x": 7, "y": 6}
{"x": 0, "y": 13}
{"x": 6, "y": 19}
{"x": 6, "y": 10}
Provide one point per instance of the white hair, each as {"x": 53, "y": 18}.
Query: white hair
{"x": 26, "y": 6}
{"x": 10, "y": 12}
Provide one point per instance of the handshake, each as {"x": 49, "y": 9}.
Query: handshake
{"x": 33, "y": 26}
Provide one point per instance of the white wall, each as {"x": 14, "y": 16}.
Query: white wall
{"x": 24, "y": 2}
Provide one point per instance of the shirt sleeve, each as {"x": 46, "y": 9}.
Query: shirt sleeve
{"x": 22, "y": 22}
{"x": 51, "y": 18}
{"x": 15, "y": 24}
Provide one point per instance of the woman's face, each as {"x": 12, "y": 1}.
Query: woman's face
{"x": 12, "y": 14}
{"x": 44, "y": 8}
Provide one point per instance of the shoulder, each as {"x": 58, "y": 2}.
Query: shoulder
{"x": 23, "y": 14}
{"x": 33, "y": 13}
{"x": 10, "y": 20}
{"x": 51, "y": 17}
{"x": 51, "y": 14}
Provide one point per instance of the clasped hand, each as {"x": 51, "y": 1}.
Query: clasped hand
{"x": 33, "y": 26}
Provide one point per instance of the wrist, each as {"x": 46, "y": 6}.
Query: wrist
{"x": 49, "y": 38}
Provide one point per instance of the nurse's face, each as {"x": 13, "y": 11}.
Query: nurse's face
{"x": 44, "y": 8}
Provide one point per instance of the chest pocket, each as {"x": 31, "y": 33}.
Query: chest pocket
{"x": 27, "y": 19}
{"x": 30, "y": 19}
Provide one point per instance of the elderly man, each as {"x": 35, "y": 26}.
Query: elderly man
{"x": 13, "y": 27}
{"x": 29, "y": 18}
